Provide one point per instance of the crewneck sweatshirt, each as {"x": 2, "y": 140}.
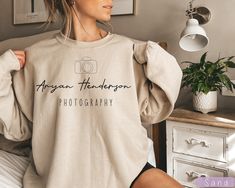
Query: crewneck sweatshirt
{"x": 84, "y": 105}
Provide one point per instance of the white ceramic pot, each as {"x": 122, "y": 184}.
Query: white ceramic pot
{"x": 205, "y": 102}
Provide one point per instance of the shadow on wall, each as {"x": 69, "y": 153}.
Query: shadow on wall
{"x": 185, "y": 99}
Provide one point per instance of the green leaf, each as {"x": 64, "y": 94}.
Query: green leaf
{"x": 211, "y": 68}
{"x": 208, "y": 76}
{"x": 230, "y": 64}
{"x": 220, "y": 59}
{"x": 226, "y": 81}
{"x": 203, "y": 58}
{"x": 206, "y": 89}
{"x": 230, "y": 58}
{"x": 233, "y": 85}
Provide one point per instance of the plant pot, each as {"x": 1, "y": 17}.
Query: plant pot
{"x": 205, "y": 102}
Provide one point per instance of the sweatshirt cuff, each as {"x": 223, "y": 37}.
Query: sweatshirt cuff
{"x": 9, "y": 62}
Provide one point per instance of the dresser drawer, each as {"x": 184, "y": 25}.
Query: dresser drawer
{"x": 187, "y": 171}
{"x": 199, "y": 143}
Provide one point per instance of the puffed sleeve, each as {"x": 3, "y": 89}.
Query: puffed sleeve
{"x": 15, "y": 98}
{"x": 158, "y": 79}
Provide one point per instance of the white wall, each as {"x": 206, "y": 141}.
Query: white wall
{"x": 9, "y": 30}
{"x": 163, "y": 20}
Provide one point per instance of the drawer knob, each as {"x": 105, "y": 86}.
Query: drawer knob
{"x": 193, "y": 175}
{"x": 194, "y": 141}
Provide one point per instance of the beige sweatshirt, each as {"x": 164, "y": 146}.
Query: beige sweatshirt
{"x": 83, "y": 104}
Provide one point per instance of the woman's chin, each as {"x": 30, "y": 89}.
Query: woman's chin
{"x": 106, "y": 18}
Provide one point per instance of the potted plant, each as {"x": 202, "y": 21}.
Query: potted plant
{"x": 205, "y": 79}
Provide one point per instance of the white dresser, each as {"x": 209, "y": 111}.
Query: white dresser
{"x": 200, "y": 145}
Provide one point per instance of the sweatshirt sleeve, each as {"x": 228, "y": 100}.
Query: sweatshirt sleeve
{"x": 14, "y": 93}
{"x": 158, "y": 78}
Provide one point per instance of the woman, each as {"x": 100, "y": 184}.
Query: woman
{"x": 82, "y": 96}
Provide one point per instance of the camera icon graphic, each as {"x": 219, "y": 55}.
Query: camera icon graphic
{"x": 86, "y": 66}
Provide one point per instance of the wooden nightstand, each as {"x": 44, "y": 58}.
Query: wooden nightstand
{"x": 200, "y": 145}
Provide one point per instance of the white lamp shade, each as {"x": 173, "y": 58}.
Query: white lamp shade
{"x": 193, "y": 38}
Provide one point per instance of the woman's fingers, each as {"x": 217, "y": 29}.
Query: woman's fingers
{"x": 21, "y": 57}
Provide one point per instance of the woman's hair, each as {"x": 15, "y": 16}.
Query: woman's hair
{"x": 64, "y": 8}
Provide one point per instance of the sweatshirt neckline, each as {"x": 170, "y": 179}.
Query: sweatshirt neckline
{"x": 76, "y": 43}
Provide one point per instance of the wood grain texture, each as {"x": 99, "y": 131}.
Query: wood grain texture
{"x": 159, "y": 141}
{"x": 222, "y": 118}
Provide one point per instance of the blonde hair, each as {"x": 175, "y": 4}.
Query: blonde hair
{"x": 64, "y": 9}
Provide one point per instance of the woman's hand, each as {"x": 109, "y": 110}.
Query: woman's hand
{"x": 21, "y": 57}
